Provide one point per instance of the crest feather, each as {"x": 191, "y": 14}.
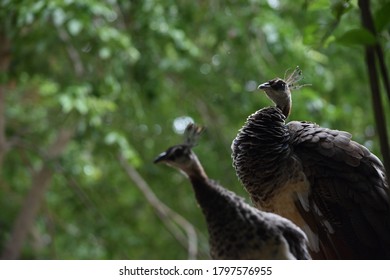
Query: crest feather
{"x": 192, "y": 134}
{"x": 293, "y": 79}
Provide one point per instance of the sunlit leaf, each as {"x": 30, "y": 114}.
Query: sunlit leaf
{"x": 74, "y": 27}
{"x": 104, "y": 53}
{"x": 318, "y": 5}
{"x": 59, "y": 16}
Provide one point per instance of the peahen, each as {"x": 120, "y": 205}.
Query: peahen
{"x": 332, "y": 187}
{"x": 236, "y": 230}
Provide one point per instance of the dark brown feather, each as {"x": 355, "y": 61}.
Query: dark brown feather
{"x": 347, "y": 208}
{"x": 352, "y": 179}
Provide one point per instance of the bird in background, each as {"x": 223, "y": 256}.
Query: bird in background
{"x": 236, "y": 230}
{"x": 332, "y": 187}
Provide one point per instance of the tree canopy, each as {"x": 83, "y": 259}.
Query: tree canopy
{"x": 91, "y": 91}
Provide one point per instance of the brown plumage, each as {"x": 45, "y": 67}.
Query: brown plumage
{"x": 236, "y": 230}
{"x": 332, "y": 187}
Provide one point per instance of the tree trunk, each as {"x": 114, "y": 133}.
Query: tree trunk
{"x": 40, "y": 182}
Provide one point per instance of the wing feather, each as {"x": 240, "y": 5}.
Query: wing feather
{"x": 348, "y": 187}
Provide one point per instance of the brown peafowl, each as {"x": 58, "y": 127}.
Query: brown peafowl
{"x": 332, "y": 187}
{"x": 236, "y": 230}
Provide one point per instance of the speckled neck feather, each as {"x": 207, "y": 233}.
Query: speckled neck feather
{"x": 261, "y": 151}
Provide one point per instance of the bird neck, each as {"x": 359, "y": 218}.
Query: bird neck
{"x": 195, "y": 170}
{"x": 215, "y": 201}
{"x": 208, "y": 193}
{"x": 285, "y": 106}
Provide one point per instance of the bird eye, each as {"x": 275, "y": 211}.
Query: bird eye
{"x": 279, "y": 85}
{"x": 177, "y": 151}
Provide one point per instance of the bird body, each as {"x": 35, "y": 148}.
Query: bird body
{"x": 332, "y": 187}
{"x": 236, "y": 230}
{"x": 239, "y": 231}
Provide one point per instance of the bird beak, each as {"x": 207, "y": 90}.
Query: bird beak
{"x": 161, "y": 157}
{"x": 264, "y": 86}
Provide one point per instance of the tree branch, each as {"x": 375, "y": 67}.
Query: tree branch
{"x": 73, "y": 54}
{"x": 380, "y": 120}
{"x": 383, "y": 69}
{"x": 3, "y": 140}
{"x": 170, "y": 218}
{"x": 368, "y": 23}
{"x": 40, "y": 182}
{"x": 5, "y": 58}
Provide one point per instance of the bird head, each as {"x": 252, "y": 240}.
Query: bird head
{"x": 178, "y": 156}
{"x": 181, "y": 156}
{"x": 279, "y": 90}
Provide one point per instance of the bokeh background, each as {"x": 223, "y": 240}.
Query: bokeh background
{"x": 92, "y": 91}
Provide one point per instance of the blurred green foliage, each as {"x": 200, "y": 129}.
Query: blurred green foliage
{"x": 127, "y": 74}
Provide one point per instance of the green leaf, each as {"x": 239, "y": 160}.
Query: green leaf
{"x": 59, "y": 16}
{"x": 74, "y": 27}
{"x": 382, "y": 18}
{"x": 339, "y": 8}
{"x": 117, "y": 138}
{"x": 359, "y": 36}
{"x": 318, "y": 5}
